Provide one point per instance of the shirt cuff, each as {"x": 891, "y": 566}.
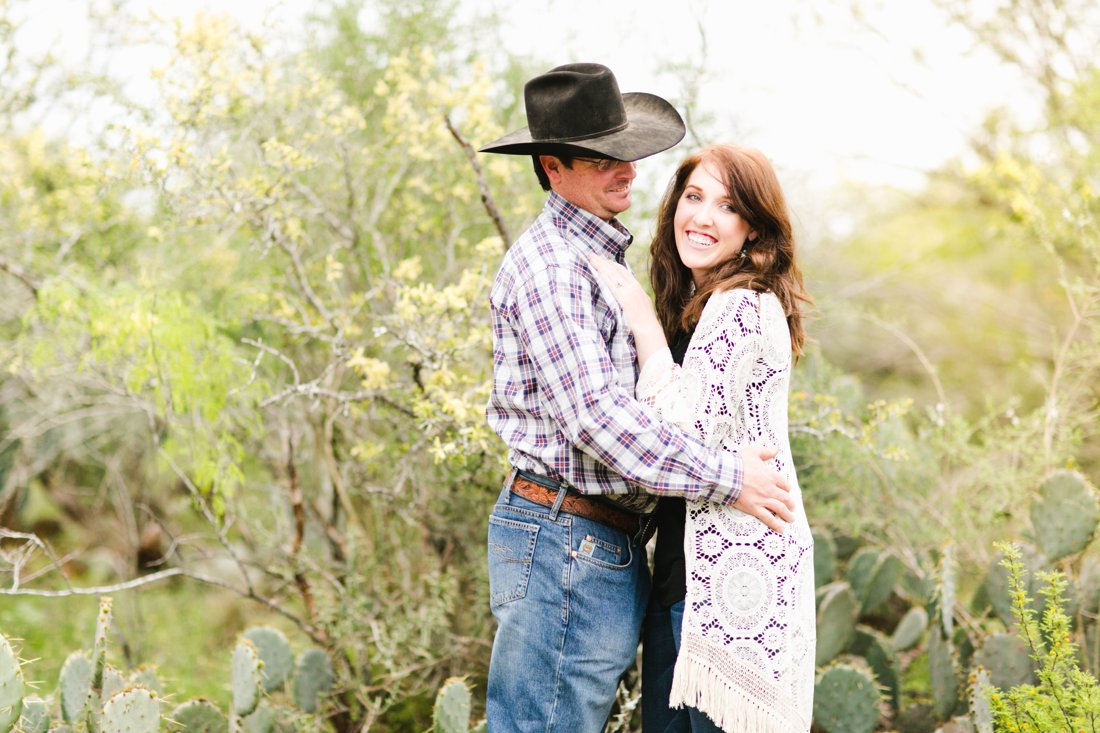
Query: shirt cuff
{"x": 656, "y": 366}
{"x": 731, "y": 478}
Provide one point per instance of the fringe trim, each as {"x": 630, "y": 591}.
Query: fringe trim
{"x": 694, "y": 684}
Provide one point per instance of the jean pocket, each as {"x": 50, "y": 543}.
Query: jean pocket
{"x": 605, "y": 549}
{"x": 511, "y": 551}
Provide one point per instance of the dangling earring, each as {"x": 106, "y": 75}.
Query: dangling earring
{"x": 743, "y": 253}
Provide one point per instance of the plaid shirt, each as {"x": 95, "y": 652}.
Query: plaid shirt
{"x": 564, "y": 370}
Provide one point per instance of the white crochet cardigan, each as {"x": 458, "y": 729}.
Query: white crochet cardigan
{"x": 747, "y": 651}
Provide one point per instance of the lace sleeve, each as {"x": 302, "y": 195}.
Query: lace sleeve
{"x": 702, "y": 396}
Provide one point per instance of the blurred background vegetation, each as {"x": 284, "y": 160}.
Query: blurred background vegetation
{"x": 246, "y": 352}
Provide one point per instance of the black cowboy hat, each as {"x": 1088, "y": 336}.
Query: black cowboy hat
{"x": 578, "y": 108}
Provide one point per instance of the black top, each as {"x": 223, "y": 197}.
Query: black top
{"x": 669, "y": 566}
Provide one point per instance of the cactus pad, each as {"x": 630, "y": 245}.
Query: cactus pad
{"x": 824, "y": 557}
{"x": 943, "y": 672}
{"x": 74, "y": 685}
{"x": 99, "y": 653}
{"x": 451, "y": 713}
{"x": 873, "y": 575}
{"x": 12, "y": 687}
{"x": 275, "y": 654}
{"x": 981, "y": 692}
{"x": 907, "y": 634}
{"x": 146, "y": 675}
{"x": 313, "y": 676}
{"x": 879, "y": 654}
{"x": 846, "y": 699}
{"x": 198, "y": 716}
{"x": 36, "y": 716}
{"x": 1064, "y": 514}
{"x": 837, "y": 607}
{"x": 1006, "y": 657}
{"x": 134, "y": 710}
{"x": 246, "y": 678}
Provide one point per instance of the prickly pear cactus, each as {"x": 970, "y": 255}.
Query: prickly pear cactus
{"x": 943, "y": 672}
{"x": 873, "y": 575}
{"x": 943, "y": 596}
{"x": 36, "y": 716}
{"x": 271, "y": 719}
{"x": 12, "y": 687}
{"x": 113, "y": 682}
{"x": 313, "y": 676}
{"x": 133, "y": 710}
{"x": 824, "y": 557}
{"x": 837, "y": 608}
{"x": 74, "y": 685}
{"x": 451, "y": 713}
{"x": 145, "y": 675}
{"x": 1064, "y": 514}
{"x": 846, "y": 699}
{"x": 246, "y": 678}
{"x": 981, "y": 692}
{"x": 907, "y": 634}
{"x": 1006, "y": 657}
{"x": 198, "y": 716}
{"x": 275, "y": 654}
{"x": 879, "y": 654}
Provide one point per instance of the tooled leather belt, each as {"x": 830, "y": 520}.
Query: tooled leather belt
{"x": 636, "y": 525}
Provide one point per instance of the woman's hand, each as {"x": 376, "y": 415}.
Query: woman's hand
{"x": 636, "y": 305}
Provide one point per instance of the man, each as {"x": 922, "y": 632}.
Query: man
{"x": 568, "y": 577}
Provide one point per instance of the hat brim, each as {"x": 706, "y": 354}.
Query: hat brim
{"x": 652, "y": 125}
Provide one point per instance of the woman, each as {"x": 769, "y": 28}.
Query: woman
{"x": 728, "y": 298}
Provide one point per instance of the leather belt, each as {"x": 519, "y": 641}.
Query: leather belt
{"x": 638, "y": 526}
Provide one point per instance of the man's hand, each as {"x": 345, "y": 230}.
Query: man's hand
{"x": 765, "y": 494}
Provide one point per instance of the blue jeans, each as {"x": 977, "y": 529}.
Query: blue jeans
{"x": 569, "y": 596}
{"x": 659, "y": 649}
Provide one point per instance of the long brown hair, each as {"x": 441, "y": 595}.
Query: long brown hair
{"x": 769, "y": 265}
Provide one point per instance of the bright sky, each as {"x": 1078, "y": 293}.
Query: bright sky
{"x": 828, "y": 99}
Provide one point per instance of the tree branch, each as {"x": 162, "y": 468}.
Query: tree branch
{"x": 482, "y": 186}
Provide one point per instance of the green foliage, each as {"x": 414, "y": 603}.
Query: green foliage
{"x": 846, "y": 699}
{"x": 824, "y": 557}
{"x": 1065, "y": 697}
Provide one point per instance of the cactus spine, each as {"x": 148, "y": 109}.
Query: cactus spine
{"x": 36, "y": 716}
{"x": 12, "y": 687}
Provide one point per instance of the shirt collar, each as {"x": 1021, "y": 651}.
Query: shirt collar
{"x": 602, "y": 236}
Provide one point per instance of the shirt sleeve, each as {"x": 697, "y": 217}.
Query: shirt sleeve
{"x": 555, "y": 317}
{"x": 702, "y": 397}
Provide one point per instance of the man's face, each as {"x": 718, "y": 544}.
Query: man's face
{"x": 602, "y": 193}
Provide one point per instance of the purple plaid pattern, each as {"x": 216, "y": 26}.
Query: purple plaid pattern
{"x": 564, "y": 372}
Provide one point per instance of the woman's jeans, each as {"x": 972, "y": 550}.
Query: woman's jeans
{"x": 569, "y": 596}
{"x": 659, "y": 649}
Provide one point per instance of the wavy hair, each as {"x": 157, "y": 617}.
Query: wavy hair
{"x": 769, "y": 265}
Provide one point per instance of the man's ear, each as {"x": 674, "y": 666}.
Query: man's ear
{"x": 552, "y": 166}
